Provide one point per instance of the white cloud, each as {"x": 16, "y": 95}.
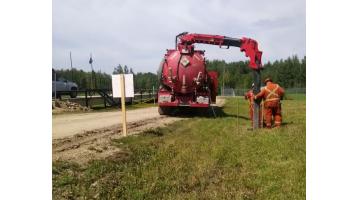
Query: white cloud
{"x": 137, "y": 33}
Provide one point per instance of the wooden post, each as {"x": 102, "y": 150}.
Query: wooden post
{"x": 123, "y": 109}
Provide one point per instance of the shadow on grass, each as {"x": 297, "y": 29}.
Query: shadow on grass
{"x": 186, "y": 112}
{"x": 211, "y": 112}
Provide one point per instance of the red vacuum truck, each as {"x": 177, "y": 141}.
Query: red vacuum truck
{"x": 184, "y": 80}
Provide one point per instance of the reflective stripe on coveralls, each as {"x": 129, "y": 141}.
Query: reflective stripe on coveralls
{"x": 272, "y": 96}
{"x": 272, "y": 92}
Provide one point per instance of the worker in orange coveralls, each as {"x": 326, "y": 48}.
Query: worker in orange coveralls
{"x": 272, "y": 93}
{"x": 249, "y": 95}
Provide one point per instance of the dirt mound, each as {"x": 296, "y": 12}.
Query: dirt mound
{"x": 59, "y": 106}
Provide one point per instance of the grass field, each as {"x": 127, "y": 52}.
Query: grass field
{"x": 199, "y": 158}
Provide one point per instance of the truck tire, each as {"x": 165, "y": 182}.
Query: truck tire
{"x": 164, "y": 110}
{"x": 73, "y": 92}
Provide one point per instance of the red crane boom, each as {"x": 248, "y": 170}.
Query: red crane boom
{"x": 247, "y": 45}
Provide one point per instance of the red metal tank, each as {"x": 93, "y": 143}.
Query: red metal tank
{"x": 184, "y": 73}
{"x": 184, "y": 81}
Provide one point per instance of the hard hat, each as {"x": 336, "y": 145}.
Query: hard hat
{"x": 267, "y": 79}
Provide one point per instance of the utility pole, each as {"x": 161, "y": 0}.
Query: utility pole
{"x": 93, "y": 75}
{"x": 72, "y": 71}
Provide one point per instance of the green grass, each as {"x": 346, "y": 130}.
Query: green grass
{"x": 201, "y": 158}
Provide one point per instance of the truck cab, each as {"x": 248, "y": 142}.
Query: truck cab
{"x": 61, "y": 86}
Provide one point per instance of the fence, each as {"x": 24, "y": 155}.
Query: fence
{"x": 92, "y": 97}
{"x": 241, "y": 92}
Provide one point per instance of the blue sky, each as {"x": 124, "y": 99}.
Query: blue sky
{"x": 137, "y": 33}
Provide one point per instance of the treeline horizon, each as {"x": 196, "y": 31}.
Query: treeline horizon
{"x": 289, "y": 73}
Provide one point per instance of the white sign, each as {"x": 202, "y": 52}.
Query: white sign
{"x": 129, "y": 85}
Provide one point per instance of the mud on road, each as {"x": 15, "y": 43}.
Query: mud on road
{"x": 93, "y": 144}
{"x": 96, "y": 144}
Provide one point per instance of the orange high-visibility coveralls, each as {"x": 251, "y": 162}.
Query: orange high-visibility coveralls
{"x": 272, "y": 94}
{"x": 250, "y": 97}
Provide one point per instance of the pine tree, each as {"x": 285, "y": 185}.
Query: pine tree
{"x": 118, "y": 70}
{"x": 126, "y": 70}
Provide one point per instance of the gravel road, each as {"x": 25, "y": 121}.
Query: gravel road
{"x": 70, "y": 124}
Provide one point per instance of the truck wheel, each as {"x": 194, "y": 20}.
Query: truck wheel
{"x": 73, "y": 93}
{"x": 164, "y": 110}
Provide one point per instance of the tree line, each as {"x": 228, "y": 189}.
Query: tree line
{"x": 289, "y": 73}
{"x": 102, "y": 80}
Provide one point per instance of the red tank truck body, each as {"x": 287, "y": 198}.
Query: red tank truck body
{"x": 184, "y": 79}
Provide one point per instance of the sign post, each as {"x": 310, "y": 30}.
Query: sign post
{"x": 123, "y": 86}
{"x": 123, "y": 108}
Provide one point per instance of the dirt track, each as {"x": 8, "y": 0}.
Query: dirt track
{"x": 84, "y": 137}
{"x": 70, "y": 124}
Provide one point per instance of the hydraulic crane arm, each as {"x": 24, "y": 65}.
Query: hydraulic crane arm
{"x": 247, "y": 45}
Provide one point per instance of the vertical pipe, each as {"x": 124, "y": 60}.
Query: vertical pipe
{"x": 257, "y": 85}
{"x": 237, "y": 116}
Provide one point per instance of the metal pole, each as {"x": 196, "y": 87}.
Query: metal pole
{"x": 237, "y": 116}
{"x": 257, "y": 85}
